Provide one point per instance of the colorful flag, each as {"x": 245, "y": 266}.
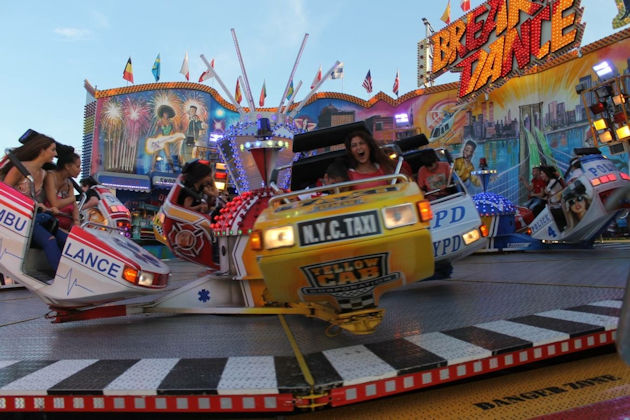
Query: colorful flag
{"x": 263, "y": 95}
{"x": 206, "y": 74}
{"x": 237, "y": 95}
{"x": 337, "y": 73}
{"x": 317, "y": 78}
{"x": 367, "y": 83}
{"x": 465, "y": 5}
{"x": 290, "y": 91}
{"x": 396, "y": 84}
{"x": 128, "y": 72}
{"x": 446, "y": 16}
{"x": 184, "y": 69}
{"x": 156, "y": 68}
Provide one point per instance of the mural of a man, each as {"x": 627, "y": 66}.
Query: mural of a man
{"x": 463, "y": 165}
{"x": 195, "y": 127}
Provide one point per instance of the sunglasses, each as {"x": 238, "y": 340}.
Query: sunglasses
{"x": 572, "y": 201}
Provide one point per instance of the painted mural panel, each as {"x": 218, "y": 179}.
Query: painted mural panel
{"x": 155, "y": 130}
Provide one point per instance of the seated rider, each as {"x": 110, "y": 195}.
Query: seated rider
{"x": 366, "y": 159}
{"x": 37, "y": 151}
{"x": 91, "y": 196}
{"x": 336, "y": 173}
{"x": 434, "y": 176}
{"x": 59, "y": 188}
{"x": 197, "y": 177}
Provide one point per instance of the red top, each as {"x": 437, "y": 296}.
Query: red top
{"x": 538, "y": 185}
{"x": 354, "y": 175}
{"x": 435, "y": 180}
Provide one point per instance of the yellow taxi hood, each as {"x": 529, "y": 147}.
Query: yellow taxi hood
{"x": 316, "y": 205}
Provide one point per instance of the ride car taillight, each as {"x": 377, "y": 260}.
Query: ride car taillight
{"x": 255, "y": 240}
{"x": 130, "y": 274}
{"x": 424, "y": 207}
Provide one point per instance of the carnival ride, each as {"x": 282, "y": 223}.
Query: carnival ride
{"x": 325, "y": 252}
{"x": 456, "y": 227}
{"x": 98, "y": 263}
{"x": 109, "y": 212}
{"x": 580, "y": 215}
{"x": 583, "y": 209}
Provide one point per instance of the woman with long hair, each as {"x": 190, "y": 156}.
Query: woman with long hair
{"x": 37, "y": 151}
{"x": 575, "y": 203}
{"x": 366, "y": 159}
{"x": 59, "y": 188}
{"x": 553, "y": 190}
{"x": 197, "y": 178}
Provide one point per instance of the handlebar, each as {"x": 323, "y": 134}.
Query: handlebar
{"x": 336, "y": 188}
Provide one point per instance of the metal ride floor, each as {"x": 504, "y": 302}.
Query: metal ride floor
{"x": 485, "y": 289}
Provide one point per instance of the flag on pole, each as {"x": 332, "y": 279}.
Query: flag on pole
{"x": 446, "y": 16}
{"x": 337, "y": 73}
{"x": 317, "y": 78}
{"x": 128, "y": 72}
{"x": 156, "y": 68}
{"x": 237, "y": 94}
{"x": 290, "y": 91}
{"x": 465, "y": 5}
{"x": 184, "y": 69}
{"x": 263, "y": 95}
{"x": 367, "y": 83}
{"x": 206, "y": 74}
{"x": 396, "y": 83}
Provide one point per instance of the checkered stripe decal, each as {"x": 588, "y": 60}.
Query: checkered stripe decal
{"x": 345, "y": 366}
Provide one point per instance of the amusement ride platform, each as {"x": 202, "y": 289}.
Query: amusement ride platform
{"x": 499, "y": 313}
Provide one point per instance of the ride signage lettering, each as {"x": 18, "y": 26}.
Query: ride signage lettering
{"x": 337, "y": 228}
{"x": 503, "y": 38}
{"x": 92, "y": 260}
{"x": 11, "y": 220}
{"x": 348, "y": 278}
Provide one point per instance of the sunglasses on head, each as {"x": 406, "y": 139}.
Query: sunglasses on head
{"x": 577, "y": 199}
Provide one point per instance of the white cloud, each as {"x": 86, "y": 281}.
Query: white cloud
{"x": 100, "y": 19}
{"x": 75, "y": 34}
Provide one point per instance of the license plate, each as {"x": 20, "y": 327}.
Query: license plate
{"x": 339, "y": 228}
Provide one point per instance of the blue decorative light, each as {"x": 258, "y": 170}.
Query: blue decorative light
{"x": 491, "y": 204}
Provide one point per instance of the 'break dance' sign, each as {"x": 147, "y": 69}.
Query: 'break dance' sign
{"x": 502, "y": 38}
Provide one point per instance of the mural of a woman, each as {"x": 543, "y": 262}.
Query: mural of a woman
{"x": 163, "y": 137}
{"x": 575, "y": 203}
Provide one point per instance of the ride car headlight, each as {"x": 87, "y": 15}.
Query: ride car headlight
{"x": 146, "y": 279}
{"x": 401, "y": 215}
{"x": 471, "y": 236}
{"x": 278, "y": 237}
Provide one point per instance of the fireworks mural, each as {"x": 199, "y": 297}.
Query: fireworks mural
{"x": 156, "y": 131}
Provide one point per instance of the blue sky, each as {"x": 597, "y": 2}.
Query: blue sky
{"x": 50, "y": 47}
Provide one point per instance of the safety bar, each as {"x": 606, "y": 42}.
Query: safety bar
{"x": 336, "y": 188}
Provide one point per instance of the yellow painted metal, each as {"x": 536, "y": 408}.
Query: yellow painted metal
{"x": 298, "y": 354}
{"x": 408, "y": 251}
{"x": 523, "y": 395}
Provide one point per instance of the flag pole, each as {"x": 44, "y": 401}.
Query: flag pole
{"x": 312, "y": 92}
{"x": 246, "y": 88}
{"x": 214, "y": 74}
{"x": 292, "y": 98}
{"x": 286, "y": 89}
